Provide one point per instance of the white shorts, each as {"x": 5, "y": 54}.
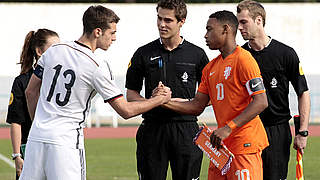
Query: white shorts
{"x": 44, "y": 161}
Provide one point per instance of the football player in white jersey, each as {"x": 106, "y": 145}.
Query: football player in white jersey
{"x": 67, "y": 77}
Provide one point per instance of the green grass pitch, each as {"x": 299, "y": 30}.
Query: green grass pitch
{"x": 114, "y": 159}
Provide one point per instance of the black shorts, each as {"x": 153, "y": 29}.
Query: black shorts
{"x": 276, "y": 156}
{"x": 161, "y": 143}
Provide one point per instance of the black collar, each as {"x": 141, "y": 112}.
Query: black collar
{"x": 179, "y": 46}
{"x": 82, "y": 44}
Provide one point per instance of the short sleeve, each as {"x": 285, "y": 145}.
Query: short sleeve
{"x": 203, "y": 87}
{"x": 250, "y": 74}
{"x": 41, "y": 60}
{"x": 295, "y": 72}
{"x": 104, "y": 83}
{"x": 17, "y": 103}
{"x": 39, "y": 68}
{"x": 203, "y": 62}
{"x": 135, "y": 72}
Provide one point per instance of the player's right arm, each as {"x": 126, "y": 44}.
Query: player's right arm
{"x": 130, "y": 109}
{"x": 133, "y": 95}
{"x": 194, "y": 107}
{"x": 32, "y": 94}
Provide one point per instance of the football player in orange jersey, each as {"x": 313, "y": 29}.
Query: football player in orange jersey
{"x": 233, "y": 83}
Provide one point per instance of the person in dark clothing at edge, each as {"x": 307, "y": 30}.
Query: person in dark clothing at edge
{"x": 35, "y": 44}
{"x": 165, "y": 136}
{"x": 279, "y": 65}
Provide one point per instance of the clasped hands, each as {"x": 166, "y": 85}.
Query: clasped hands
{"x": 162, "y": 90}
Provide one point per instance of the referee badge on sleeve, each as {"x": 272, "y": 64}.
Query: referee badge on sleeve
{"x": 300, "y": 70}
{"x": 11, "y": 99}
{"x": 129, "y": 64}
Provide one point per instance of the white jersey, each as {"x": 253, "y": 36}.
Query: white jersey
{"x": 71, "y": 76}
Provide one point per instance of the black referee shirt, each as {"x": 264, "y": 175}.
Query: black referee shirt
{"x": 17, "y": 109}
{"x": 179, "y": 69}
{"x": 278, "y": 64}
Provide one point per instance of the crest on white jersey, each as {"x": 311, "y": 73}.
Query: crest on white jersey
{"x": 227, "y": 72}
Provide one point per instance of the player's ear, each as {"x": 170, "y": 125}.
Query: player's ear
{"x": 259, "y": 20}
{"x": 181, "y": 22}
{"x": 38, "y": 52}
{"x": 226, "y": 28}
{"x": 97, "y": 32}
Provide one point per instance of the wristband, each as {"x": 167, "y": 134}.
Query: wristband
{"x": 232, "y": 125}
{"x": 14, "y": 156}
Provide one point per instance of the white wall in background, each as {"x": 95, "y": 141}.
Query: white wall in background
{"x": 297, "y": 25}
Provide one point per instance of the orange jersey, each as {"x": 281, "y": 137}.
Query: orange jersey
{"x": 226, "y": 81}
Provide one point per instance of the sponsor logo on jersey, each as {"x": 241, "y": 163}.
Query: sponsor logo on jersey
{"x": 154, "y": 58}
{"x": 227, "y": 72}
{"x": 185, "y": 77}
{"x": 247, "y": 145}
{"x": 11, "y": 99}
{"x": 274, "y": 82}
{"x": 211, "y": 73}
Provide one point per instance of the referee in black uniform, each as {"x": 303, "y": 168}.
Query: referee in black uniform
{"x": 18, "y": 111}
{"x": 165, "y": 136}
{"x": 279, "y": 65}
{"x": 18, "y": 116}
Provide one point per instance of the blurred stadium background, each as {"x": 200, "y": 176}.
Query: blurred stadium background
{"x": 296, "y": 24}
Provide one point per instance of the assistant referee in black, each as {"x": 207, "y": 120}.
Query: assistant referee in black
{"x": 279, "y": 65}
{"x": 165, "y": 136}
{"x": 35, "y": 43}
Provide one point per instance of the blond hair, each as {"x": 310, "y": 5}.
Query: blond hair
{"x": 255, "y": 9}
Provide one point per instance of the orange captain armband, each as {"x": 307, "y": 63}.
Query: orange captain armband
{"x": 232, "y": 125}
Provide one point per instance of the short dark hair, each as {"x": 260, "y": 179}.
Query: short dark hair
{"x": 228, "y": 18}
{"x": 98, "y": 17}
{"x": 179, "y": 7}
{"x": 255, "y": 9}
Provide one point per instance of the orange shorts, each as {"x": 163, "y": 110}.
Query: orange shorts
{"x": 243, "y": 167}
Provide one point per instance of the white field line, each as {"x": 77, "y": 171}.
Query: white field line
{"x": 7, "y": 160}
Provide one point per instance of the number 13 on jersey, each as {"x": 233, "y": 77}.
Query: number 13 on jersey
{"x": 67, "y": 86}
